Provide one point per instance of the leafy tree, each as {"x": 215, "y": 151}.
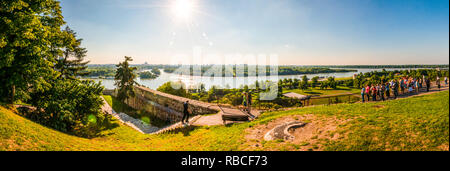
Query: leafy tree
{"x": 174, "y": 88}
{"x": 314, "y": 81}
{"x": 29, "y": 30}
{"x": 304, "y": 83}
{"x": 72, "y": 62}
{"x": 72, "y": 106}
{"x": 124, "y": 78}
{"x": 332, "y": 83}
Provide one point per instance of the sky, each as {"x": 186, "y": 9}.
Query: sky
{"x": 299, "y": 32}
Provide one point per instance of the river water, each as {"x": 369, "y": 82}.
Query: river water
{"x": 226, "y": 82}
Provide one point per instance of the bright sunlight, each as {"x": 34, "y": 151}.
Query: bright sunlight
{"x": 183, "y": 9}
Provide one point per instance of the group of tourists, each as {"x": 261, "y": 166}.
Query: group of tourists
{"x": 405, "y": 85}
{"x": 247, "y": 101}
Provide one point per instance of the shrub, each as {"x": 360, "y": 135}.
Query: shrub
{"x": 72, "y": 106}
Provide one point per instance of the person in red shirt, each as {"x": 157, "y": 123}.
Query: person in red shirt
{"x": 374, "y": 93}
{"x": 368, "y": 92}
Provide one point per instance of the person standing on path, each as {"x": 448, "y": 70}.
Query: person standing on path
{"x": 368, "y": 92}
{"x": 428, "y": 83}
{"x": 401, "y": 85}
{"x": 417, "y": 86}
{"x": 446, "y": 81}
{"x": 388, "y": 93}
{"x": 244, "y": 100}
{"x": 363, "y": 90}
{"x": 438, "y": 83}
{"x": 249, "y": 99}
{"x": 185, "y": 119}
{"x": 374, "y": 93}
{"x": 395, "y": 88}
{"x": 382, "y": 91}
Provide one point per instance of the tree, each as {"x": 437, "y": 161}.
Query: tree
{"x": 124, "y": 78}
{"x": 72, "y": 64}
{"x": 332, "y": 83}
{"x": 174, "y": 88}
{"x": 73, "y": 106}
{"x": 29, "y": 30}
{"x": 304, "y": 84}
{"x": 314, "y": 81}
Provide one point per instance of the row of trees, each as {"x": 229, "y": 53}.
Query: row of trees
{"x": 306, "y": 83}
{"x": 384, "y": 76}
{"x": 39, "y": 64}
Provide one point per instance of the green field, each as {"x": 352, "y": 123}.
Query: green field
{"x": 417, "y": 123}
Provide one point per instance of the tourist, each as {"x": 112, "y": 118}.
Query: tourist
{"x": 388, "y": 93}
{"x": 185, "y": 119}
{"x": 363, "y": 90}
{"x": 438, "y": 83}
{"x": 368, "y": 92}
{"x": 417, "y": 86}
{"x": 249, "y": 99}
{"x": 410, "y": 87}
{"x": 446, "y": 81}
{"x": 244, "y": 100}
{"x": 374, "y": 93}
{"x": 420, "y": 83}
{"x": 395, "y": 89}
{"x": 402, "y": 87}
{"x": 382, "y": 91}
{"x": 428, "y": 84}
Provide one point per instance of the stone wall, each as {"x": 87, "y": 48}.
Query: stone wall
{"x": 166, "y": 106}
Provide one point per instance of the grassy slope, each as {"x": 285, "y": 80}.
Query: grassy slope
{"x": 418, "y": 123}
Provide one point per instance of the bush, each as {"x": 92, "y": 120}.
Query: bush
{"x": 72, "y": 106}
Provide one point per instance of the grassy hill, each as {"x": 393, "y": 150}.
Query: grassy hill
{"x": 417, "y": 123}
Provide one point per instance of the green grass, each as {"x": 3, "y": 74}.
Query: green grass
{"x": 318, "y": 92}
{"x": 417, "y": 123}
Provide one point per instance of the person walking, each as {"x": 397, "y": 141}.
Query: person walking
{"x": 185, "y": 119}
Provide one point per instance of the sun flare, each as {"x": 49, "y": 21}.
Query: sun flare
{"x": 183, "y": 9}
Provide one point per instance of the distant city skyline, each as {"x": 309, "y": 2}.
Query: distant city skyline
{"x": 300, "y": 32}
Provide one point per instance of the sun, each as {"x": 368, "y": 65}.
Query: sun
{"x": 183, "y": 9}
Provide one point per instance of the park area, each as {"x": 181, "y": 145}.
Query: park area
{"x": 418, "y": 123}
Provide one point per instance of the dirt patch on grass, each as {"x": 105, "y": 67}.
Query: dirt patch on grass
{"x": 309, "y": 137}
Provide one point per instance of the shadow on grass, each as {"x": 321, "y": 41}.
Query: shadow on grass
{"x": 186, "y": 131}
